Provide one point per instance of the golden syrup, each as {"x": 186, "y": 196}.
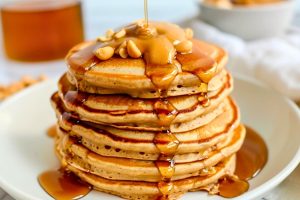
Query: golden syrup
{"x": 75, "y": 98}
{"x": 198, "y": 63}
{"x": 51, "y": 131}
{"x": 62, "y": 185}
{"x": 162, "y": 76}
{"x": 165, "y": 188}
{"x": 166, "y": 169}
{"x": 204, "y": 100}
{"x": 252, "y": 157}
{"x": 230, "y": 187}
{"x": 41, "y": 30}
{"x": 165, "y": 112}
{"x": 84, "y": 59}
{"x": 146, "y": 12}
{"x": 167, "y": 144}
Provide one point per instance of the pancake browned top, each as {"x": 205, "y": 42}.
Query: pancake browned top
{"x": 142, "y": 141}
{"x": 187, "y": 73}
{"x": 117, "y": 168}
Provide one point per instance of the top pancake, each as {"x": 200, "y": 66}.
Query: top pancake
{"x": 128, "y": 76}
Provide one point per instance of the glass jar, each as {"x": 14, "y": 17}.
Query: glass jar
{"x": 40, "y": 30}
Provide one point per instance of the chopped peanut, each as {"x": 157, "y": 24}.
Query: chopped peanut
{"x": 133, "y": 50}
{"x": 123, "y": 53}
{"x": 189, "y": 33}
{"x": 184, "y": 46}
{"x": 123, "y": 45}
{"x": 103, "y": 39}
{"x": 120, "y": 34}
{"x": 104, "y": 53}
{"x": 110, "y": 33}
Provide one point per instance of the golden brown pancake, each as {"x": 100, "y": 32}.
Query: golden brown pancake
{"x": 149, "y": 190}
{"x": 123, "y": 110}
{"x": 140, "y": 170}
{"x": 132, "y": 140}
{"x": 127, "y": 76}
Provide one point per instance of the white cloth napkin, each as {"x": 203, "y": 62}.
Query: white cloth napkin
{"x": 274, "y": 61}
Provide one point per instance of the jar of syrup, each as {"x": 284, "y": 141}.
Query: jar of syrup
{"x": 40, "y": 30}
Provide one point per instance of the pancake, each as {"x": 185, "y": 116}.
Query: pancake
{"x": 95, "y": 135}
{"x": 127, "y": 76}
{"x": 105, "y": 150}
{"x": 123, "y": 110}
{"x": 149, "y": 190}
{"x": 140, "y": 170}
{"x": 142, "y": 115}
{"x": 201, "y": 120}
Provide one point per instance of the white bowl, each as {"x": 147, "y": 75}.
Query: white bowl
{"x": 26, "y": 151}
{"x": 250, "y": 22}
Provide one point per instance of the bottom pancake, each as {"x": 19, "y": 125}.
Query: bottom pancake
{"x": 144, "y": 189}
{"x": 149, "y": 191}
{"x": 141, "y": 170}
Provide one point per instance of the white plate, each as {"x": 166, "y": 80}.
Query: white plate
{"x": 26, "y": 151}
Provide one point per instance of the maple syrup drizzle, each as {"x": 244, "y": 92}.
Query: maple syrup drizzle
{"x": 253, "y": 149}
{"x": 231, "y": 186}
{"x": 198, "y": 63}
{"x": 204, "y": 100}
{"x": 167, "y": 144}
{"x": 162, "y": 76}
{"x": 76, "y": 98}
{"x": 165, "y": 112}
{"x": 146, "y": 12}
{"x": 63, "y": 185}
{"x": 156, "y": 43}
{"x": 251, "y": 159}
{"x": 51, "y": 131}
{"x": 162, "y": 64}
{"x": 82, "y": 59}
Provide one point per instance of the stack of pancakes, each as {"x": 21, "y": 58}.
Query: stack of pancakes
{"x": 125, "y": 136}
